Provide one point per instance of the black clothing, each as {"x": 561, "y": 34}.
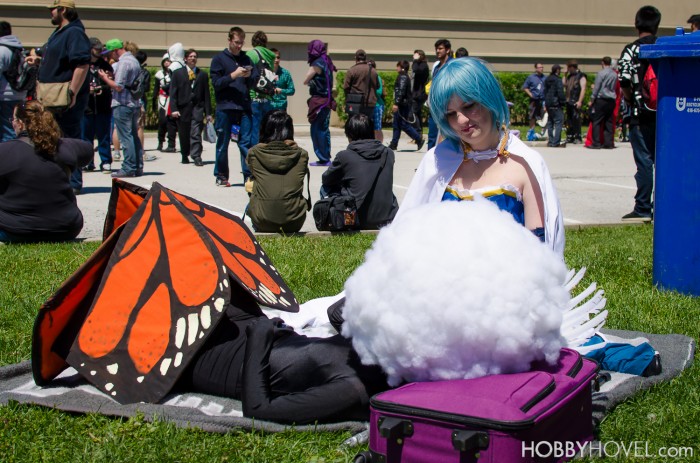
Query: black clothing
{"x": 201, "y": 97}
{"x": 602, "y": 117}
{"x": 353, "y": 172}
{"x": 280, "y": 375}
{"x": 421, "y": 74}
{"x": 36, "y": 199}
{"x": 554, "y": 92}
{"x": 181, "y": 101}
{"x": 402, "y": 90}
{"x": 100, "y": 101}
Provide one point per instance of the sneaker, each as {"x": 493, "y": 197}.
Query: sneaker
{"x": 531, "y": 135}
{"x": 320, "y": 164}
{"x": 90, "y": 168}
{"x": 116, "y": 155}
{"x": 149, "y": 157}
{"x": 393, "y": 146}
{"x": 221, "y": 181}
{"x": 170, "y": 149}
{"x": 106, "y": 168}
{"x": 636, "y": 217}
{"x": 121, "y": 173}
{"x": 420, "y": 143}
{"x": 198, "y": 162}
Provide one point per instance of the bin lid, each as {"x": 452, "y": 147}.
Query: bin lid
{"x": 681, "y": 45}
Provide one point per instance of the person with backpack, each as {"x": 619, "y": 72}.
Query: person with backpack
{"x": 639, "y": 92}
{"x": 263, "y": 60}
{"x": 11, "y": 60}
{"x": 554, "y": 101}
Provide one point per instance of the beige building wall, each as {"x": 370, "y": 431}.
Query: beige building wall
{"x": 511, "y": 34}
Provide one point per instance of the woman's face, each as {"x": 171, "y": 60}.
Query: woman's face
{"x": 472, "y": 123}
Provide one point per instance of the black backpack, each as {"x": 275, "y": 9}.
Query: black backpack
{"x": 266, "y": 82}
{"x": 16, "y": 73}
{"x": 140, "y": 85}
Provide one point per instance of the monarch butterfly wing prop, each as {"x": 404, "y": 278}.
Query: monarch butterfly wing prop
{"x": 163, "y": 292}
{"x": 124, "y": 200}
{"x": 242, "y": 254}
{"x": 61, "y": 317}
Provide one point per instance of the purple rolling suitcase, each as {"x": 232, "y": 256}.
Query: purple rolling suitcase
{"x": 543, "y": 415}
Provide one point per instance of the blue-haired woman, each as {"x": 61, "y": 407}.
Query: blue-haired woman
{"x": 479, "y": 155}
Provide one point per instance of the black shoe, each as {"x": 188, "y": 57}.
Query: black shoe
{"x": 121, "y": 173}
{"x": 223, "y": 182}
{"x": 185, "y": 160}
{"x": 636, "y": 217}
{"x": 592, "y": 147}
{"x": 198, "y": 162}
{"x": 76, "y": 191}
{"x": 160, "y": 146}
{"x": 393, "y": 147}
{"x": 420, "y": 143}
{"x": 170, "y": 149}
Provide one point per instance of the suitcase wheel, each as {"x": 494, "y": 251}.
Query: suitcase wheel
{"x": 363, "y": 457}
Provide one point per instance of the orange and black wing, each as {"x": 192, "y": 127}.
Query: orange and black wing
{"x": 124, "y": 200}
{"x": 163, "y": 291}
{"x": 242, "y": 254}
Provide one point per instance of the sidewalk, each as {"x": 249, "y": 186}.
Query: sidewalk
{"x": 594, "y": 186}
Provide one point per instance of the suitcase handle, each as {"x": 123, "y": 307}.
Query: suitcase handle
{"x": 463, "y": 441}
{"x": 394, "y": 428}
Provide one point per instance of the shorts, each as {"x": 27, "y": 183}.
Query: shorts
{"x": 536, "y": 109}
{"x": 378, "y": 116}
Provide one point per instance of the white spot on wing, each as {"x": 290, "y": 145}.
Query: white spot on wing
{"x": 192, "y": 328}
{"x": 180, "y": 331}
{"x": 178, "y": 359}
{"x": 226, "y": 283}
{"x": 267, "y": 295}
{"x": 165, "y": 364}
{"x": 93, "y": 372}
{"x": 114, "y": 393}
{"x": 284, "y": 302}
{"x": 201, "y": 334}
{"x": 109, "y": 386}
{"x": 205, "y": 317}
{"x": 219, "y": 304}
{"x": 112, "y": 369}
{"x": 139, "y": 379}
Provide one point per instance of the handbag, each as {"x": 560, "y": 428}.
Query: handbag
{"x": 210, "y": 133}
{"x": 336, "y": 213}
{"x": 54, "y": 95}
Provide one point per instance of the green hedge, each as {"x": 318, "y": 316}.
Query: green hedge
{"x": 511, "y": 83}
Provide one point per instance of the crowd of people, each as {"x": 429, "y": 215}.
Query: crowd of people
{"x": 106, "y": 88}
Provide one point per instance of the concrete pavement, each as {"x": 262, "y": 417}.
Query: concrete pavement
{"x": 594, "y": 186}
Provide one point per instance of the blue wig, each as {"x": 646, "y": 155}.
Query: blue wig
{"x": 471, "y": 80}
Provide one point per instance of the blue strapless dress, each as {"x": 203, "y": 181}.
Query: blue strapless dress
{"x": 507, "y": 198}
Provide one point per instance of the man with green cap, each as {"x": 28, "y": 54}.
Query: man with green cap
{"x": 125, "y": 108}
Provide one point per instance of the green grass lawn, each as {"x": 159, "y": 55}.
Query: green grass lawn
{"x": 619, "y": 259}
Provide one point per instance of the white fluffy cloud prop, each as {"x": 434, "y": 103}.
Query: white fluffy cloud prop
{"x": 456, "y": 290}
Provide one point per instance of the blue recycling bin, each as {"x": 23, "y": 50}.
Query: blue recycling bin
{"x": 676, "y": 61}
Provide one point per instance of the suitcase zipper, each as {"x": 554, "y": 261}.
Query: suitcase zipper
{"x": 541, "y": 395}
{"x": 576, "y": 368}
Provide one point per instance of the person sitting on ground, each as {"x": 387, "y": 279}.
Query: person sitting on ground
{"x": 365, "y": 171}
{"x": 479, "y": 155}
{"x": 37, "y": 202}
{"x": 278, "y": 167}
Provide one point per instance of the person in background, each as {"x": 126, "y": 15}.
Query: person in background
{"x": 534, "y": 88}
{"x": 66, "y": 58}
{"x": 319, "y": 78}
{"x": 284, "y": 87}
{"x": 443, "y": 52}
{"x": 461, "y": 52}
{"x": 603, "y": 107}
{"x": 278, "y": 166}
{"x": 9, "y": 97}
{"x": 575, "y": 89}
{"x": 365, "y": 171}
{"x": 402, "y": 108}
{"x": 379, "y": 107}
{"x": 694, "y": 22}
{"x": 262, "y": 58}
{"x": 642, "y": 132}
{"x": 160, "y": 98}
{"x": 98, "y": 114}
{"x": 555, "y": 100}
{"x": 421, "y": 75}
{"x": 37, "y": 202}
{"x": 201, "y": 101}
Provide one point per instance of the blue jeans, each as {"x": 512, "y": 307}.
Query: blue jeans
{"x": 432, "y": 132}
{"x": 643, "y": 141}
{"x": 126, "y": 120}
{"x": 99, "y": 125}
{"x": 555, "y": 122}
{"x": 70, "y": 123}
{"x": 6, "y": 110}
{"x": 321, "y": 135}
{"x": 259, "y": 110}
{"x": 224, "y": 120}
{"x": 401, "y": 123}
